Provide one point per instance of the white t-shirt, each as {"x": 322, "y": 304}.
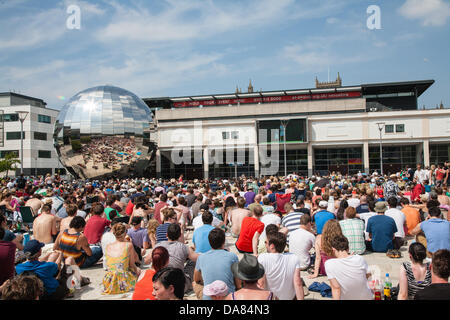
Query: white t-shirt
{"x": 350, "y": 273}
{"x": 353, "y": 202}
{"x": 399, "y": 218}
{"x": 279, "y": 271}
{"x": 198, "y": 222}
{"x": 365, "y": 216}
{"x": 300, "y": 242}
{"x": 270, "y": 218}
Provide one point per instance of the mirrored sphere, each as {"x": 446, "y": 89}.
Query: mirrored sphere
{"x": 104, "y": 131}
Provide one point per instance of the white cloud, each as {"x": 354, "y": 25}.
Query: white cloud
{"x": 32, "y": 29}
{"x": 430, "y": 12}
{"x": 332, "y": 20}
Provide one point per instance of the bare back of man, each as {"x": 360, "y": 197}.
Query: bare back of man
{"x": 35, "y": 205}
{"x": 44, "y": 228}
{"x": 237, "y": 215}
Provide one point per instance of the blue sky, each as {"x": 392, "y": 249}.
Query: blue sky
{"x": 194, "y": 47}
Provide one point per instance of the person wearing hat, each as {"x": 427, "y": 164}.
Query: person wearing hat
{"x": 217, "y": 290}
{"x": 322, "y": 216}
{"x": 391, "y": 188}
{"x": 46, "y": 269}
{"x": 381, "y": 230}
{"x": 249, "y": 271}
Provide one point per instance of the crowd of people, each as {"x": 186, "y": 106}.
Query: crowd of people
{"x": 285, "y": 229}
{"x": 109, "y": 152}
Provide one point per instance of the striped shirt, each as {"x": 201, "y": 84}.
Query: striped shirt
{"x": 68, "y": 246}
{"x": 413, "y": 285}
{"x": 161, "y": 232}
{"x": 291, "y": 222}
{"x": 353, "y": 230}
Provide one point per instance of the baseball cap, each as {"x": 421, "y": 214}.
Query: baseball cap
{"x": 33, "y": 247}
{"x": 323, "y": 204}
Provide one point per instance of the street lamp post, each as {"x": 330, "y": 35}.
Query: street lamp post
{"x": 284, "y": 125}
{"x": 22, "y": 117}
{"x": 380, "y": 128}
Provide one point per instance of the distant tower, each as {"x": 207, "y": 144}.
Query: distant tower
{"x": 250, "y": 87}
{"x": 238, "y": 90}
{"x": 329, "y": 84}
{"x": 441, "y": 106}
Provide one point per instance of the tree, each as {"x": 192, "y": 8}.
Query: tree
{"x": 8, "y": 162}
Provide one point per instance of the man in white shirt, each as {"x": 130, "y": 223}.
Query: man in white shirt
{"x": 198, "y": 222}
{"x": 421, "y": 175}
{"x": 282, "y": 270}
{"x": 270, "y": 218}
{"x": 400, "y": 222}
{"x": 348, "y": 274}
{"x": 301, "y": 241}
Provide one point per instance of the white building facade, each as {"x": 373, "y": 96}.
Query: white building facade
{"x": 332, "y": 130}
{"x": 39, "y": 155}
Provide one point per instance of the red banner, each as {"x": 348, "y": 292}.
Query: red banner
{"x": 355, "y": 161}
{"x": 301, "y": 97}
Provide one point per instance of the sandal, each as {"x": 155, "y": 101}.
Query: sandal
{"x": 85, "y": 281}
{"x": 391, "y": 254}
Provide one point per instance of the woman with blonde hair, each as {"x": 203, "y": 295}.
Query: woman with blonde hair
{"x": 153, "y": 224}
{"x": 323, "y": 248}
{"x": 121, "y": 260}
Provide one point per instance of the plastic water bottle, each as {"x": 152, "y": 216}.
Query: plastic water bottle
{"x": 377, "y": 290}
{"x": 387, "y": 288}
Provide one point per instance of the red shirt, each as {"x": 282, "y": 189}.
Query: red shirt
{"x": 129, "y": 208}
{"x": 95, "y": 228}
{"x": 7, "y": 256}
{"x": 249, "y": 226}
{"x": 282, "y": 199}
{"x": 158, "y": 207}
{"x": 440, "y": 174}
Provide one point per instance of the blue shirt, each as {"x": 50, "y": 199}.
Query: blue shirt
{"x": 320, "y": 218}
{"x": 216, "y": 265}
{"x": 382, "y": 229}
{"x": 161, "y": 232}
{"x": 437, "y": 232}
{"x": 46, "y": 271}
{"x": 200, "y": 238}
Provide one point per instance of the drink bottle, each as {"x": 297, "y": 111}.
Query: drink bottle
{"x": 387, "y": 288}
{"x": 377, "y": 290}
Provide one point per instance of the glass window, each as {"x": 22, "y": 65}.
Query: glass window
{"x": 44, "y": 119}
{"x": 10, "y": 117}
{"x": 14, "y": 135}
{"x": 3, "y": 153}
{"x": 389, "y": 128}
{"x": 399, "y": 128}
{"x": 45, "y": 154}
{"x": 225, "y": 135}
{"x": 235, "y": 135}
{"x": 40, "y": 136}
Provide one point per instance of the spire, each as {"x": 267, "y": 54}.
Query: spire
{"x": 250, "y": 87}
{"x": 441, "y": 106}
{"x": 237, "y": 89}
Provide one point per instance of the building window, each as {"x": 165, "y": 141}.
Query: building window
{"x": 399, "y": 128}
{"x": 3, "y": 153}
{"x": 44, "y": 119}
{"x": 9, "y": 117}
{"x": 14, "y": 135}
{"x": 389, "y": 128}
{"x": 225, "y": 135}
{"x": 45, "y": 154}
{"x": 235, "y": 135}
{"x": 40, "y": 136}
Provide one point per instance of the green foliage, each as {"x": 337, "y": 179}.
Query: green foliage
{"x": 8, "y": 163}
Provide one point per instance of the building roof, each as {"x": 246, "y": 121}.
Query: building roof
{"x": 6, "y": 94}
{"x": 365, "y": 89}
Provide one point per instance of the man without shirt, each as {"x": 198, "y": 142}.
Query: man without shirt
{"x": 35, "y": 203}
{"x": 44, "y": 226}
{"x": 236, "y": 217}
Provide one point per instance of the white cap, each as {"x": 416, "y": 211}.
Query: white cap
{"x": 323, "y": 204}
